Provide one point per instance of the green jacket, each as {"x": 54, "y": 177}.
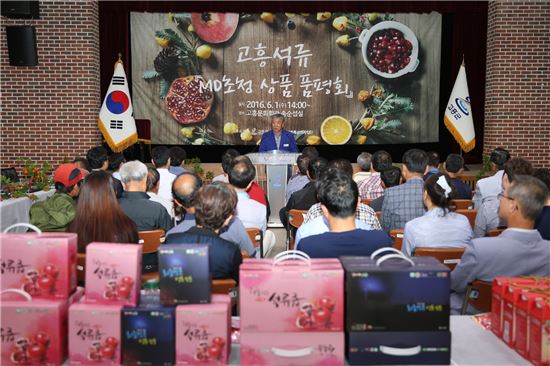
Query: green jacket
{"x": 53, "y": 214}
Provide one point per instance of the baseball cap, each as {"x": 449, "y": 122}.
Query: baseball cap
{"x": 68, "y": 174}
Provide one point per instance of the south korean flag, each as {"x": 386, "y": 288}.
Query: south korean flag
{"x": 116, "y": 120}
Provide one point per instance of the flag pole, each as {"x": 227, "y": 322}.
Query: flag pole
{"x": 461, "y": 151}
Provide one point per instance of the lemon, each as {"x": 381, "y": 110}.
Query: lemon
{"x": 313, "y": 140}
{"x": 190, "y": 28}
{"x": 204, "y": 51}
{"x": 336, "y": 130}
{"x": 321, "y": 17}
{"x": 267, "y": 17}
{"x": 162, "y": 42}
{"x": 360, "y": 139}
{"x": 230, "y": 128}
{"x": 246, "y": 135}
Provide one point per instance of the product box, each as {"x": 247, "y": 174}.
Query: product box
{"x": 202, "y": 334}
{"x": 113, "y": 273}
{"x": 397, "y": 296}
{"x": 292, "y": 296}
{"x": 225, "y": 299}
{"x": 94, "y": 334}
{"x": 296, "y": 349}
{"x": 399, "y": 348}
{"x": 539, "y": 332}
{"x": 34, "y": 332}
{"x": 148, "y": 336}
{"x": 521, "y": 316}
{"x": 500, "y": 284}
{"x": 184, "y": 274}
{"x": 43, "y": 265}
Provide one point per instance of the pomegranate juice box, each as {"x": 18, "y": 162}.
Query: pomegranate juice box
{"x": 94, "y": 334}
{"x": 539, "y": 332}
{"x": 521, "y": 313}
{"x": 184, "y": 274}
{"x": 225, "y": 299}
{"x": 292, "y": 296}
{"x": 113, "y": 273}
{"x": 500, "y": 284}
{"x": 202, "y": 334}
{"x": 43, "y": 265}
{"x": 34, "y": 332}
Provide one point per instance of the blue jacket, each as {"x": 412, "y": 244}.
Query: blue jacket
{"x": 288, "y": 143}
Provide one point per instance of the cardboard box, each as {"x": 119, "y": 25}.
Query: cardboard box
{"x": 396, "y": 296}
{"x": 539, "y": 332}
{"x": 113, "y": 273}
{"x": 297, "y": 349}
{"x": 399, "y": 348}
{"x": 94, "y": 334}
{"x": 184, "y": 273}
{"x": 500, "y": 284}
{"x": 521, "y": 316}
{"x": 148, "y": 336}
{"x": 43, "y": 265}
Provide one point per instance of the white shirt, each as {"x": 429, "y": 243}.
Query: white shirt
{"x": 220, "y": 178}
{"x": 486, "y": 187}
{"x": 435, "y": 230}
{"x": 165, "y": 184}
{"x": 319, "y": 225}
{"x": 168, "y": 204}
{"x": 251, "y": 213}
{"x": 361, "y": 176}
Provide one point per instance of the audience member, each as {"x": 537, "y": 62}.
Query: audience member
{"x": 518, "y": 251}
{"x": 543, "y": 221}
{"x": 255, "y": 192}
{"x": 390, "y": 178}
{"x": 433, "y": 164}
{"x": 311, "y": 152}
{"x": 487, "y": 216}
{"x": 454, "y": 166}
{"x": 153, "y": 180}
{"x": 98, "y": 159}
{"x": 177, "y": 159}
{"x": 161, "y": 160}
{"x": 58, "y": 211}
{"x": 491, "y": 186}
{"x": 300, "y": 179}
{"x": 115, "y": 162}
{"x": 338, "y": 194}
{"x": 82, "y": 163}
{"x": 370, "y": 187}
{"x": 185, "y": 189}
{"x": 214, "y": 207}
{"x": 99, "y": 216}
{"x": 227, "y": 161}
{"x": 404, "y": 202}
{"x": 364, "y": 161}
{"x": 438, "y": 227}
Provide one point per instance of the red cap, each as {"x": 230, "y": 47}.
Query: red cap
{"x": 68, "y": 174}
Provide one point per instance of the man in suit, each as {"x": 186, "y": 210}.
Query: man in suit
{"x": 278, "y": 138}
{"x": 518, "y": 251}
{"x": 491, "y": 186}
{"x": 405, "y": 201}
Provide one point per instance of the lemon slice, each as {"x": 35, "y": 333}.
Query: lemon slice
{"x": 336, "y": 130}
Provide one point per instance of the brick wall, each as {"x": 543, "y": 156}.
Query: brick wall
{"x": 49, "y": 112}
{"x": 517, "y": 100}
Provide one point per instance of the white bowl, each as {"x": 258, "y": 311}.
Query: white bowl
{"x": 407, "y": 34}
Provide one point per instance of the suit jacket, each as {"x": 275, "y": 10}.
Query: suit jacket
{"x": 490, "y": 186}
{"x": 300, "y": 200}
{"x": 288, "y": 143}
{"x": 402, "y": 203}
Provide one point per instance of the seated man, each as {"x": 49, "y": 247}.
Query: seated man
{"x": 98, "y": 158}
{"x": 487, "y": 217}
{"x": 185, "y": 189}
{"x": 214, "y": 207}
{"x": 177, "y": 158}
{"x": 161, "y": 160}
{"x": 153, "y": 180}
{"x": 58, "y": 211}
{"x": 390, "y": 178}
{"x": 518, "y": 251}
{"x": 300, "y": 179}
{"x": 492, "y": 186}
{"x": 543, "y": 221}
{"x": 433, "y": 164}
{"x": 405, "y": 201}
{"x": 370, "y": 187}
{"x": 454, "y": 166}
{"x": 339, "y": 197}
{"x": 227, "y": 160}
{"x": 364, "y": 160}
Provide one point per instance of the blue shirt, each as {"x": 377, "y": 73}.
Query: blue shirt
{"x": 295, "y": 183}
{"x": 288, "y": 143}
{"x": 355, "y": 243}
{"x": 176, "y": 170}
{"x": 319, "y": 225}
{"x": 543, "y": 223}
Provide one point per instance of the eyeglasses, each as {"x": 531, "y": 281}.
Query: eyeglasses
{"x": 502, "y": 195}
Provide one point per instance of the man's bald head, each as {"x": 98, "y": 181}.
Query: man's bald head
{"x": 185, "y": 189}
{"x": 242, "y": 172}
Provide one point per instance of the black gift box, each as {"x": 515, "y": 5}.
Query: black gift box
{"x": 395, "y": 295}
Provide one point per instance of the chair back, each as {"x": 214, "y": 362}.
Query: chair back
{"x": 495, "y": 232}
{"x": 470, "y": 214}
{"x": 448, "y": 256}
{"x": 461, "y": 204}
{"x": 469, "y": 180}
{"x": 397, "y": 236}
{"x": 296, "y": 217}
{"x": 151, "y": 240}
{"x": 223, "y": 285}
{"x": 257, "y": 238}
{"x": 479, "y": 295}
{"x": 81, "y": 268}
{"x": 366, "y": 201}
{"x": 379, "y": 216}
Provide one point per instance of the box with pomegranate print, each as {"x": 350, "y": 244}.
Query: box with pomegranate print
{"x": 225, "y": 299}
{"x": 539, "y": 332}
{"x": 292, "y": 294}
{"x": 34, "y": 332}
{"x": 113, "y": 273}
{"x": 43, "y": 265}
{"x": 202, "y": 334}
{"x": 521, "y": 316}
{"x": 297, "y": 349}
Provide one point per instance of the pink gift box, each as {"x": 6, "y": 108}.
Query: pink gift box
{"x": 225, "y": 299}
{"x": 113, "y": 273}
{"x": 94, "y": 334}
{"x": 292, "y": 296}
{"x": 43, "y": 265}
{"x": 202, "y": 334}
{"x": 34, "y": 332}
{"x": 295, "y": 349}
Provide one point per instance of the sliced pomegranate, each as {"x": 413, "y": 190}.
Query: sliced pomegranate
{"x": 187, "y": 102}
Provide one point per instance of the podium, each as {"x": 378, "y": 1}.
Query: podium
{"x": 276, "y": 163}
